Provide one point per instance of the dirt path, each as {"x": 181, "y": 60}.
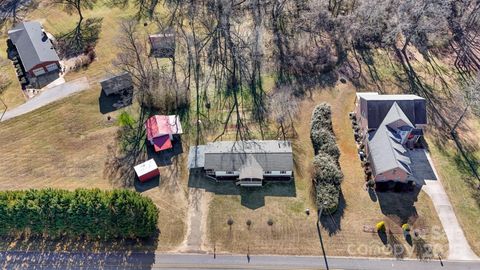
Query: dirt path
{"x": 198, "y": 202}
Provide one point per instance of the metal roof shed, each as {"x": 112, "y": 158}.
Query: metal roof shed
{"x": 163, "y": 44}
{"x": 117, "y": 83}
{"x": 147, "y": 170}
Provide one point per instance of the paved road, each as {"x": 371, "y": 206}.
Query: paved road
{"x": 458, "y": 247}
{"x": 48, "y": 96}
{"x": 35, "y": 260}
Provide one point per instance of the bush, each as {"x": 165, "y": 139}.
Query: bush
{"x": 322, "y": 117}
{"x": 380, "y": 226}
{"x": 326, "y": 170}
{"x": 91, "y": 213}
{"x": 324, "y": 141}
{"x": 327, "y": 197}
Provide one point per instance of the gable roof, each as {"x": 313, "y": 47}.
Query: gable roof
{"x": 32, "y": 44}
{"x": 116, "y": 83}
{"x": 386, "y": 150}
{"x": 377, "y": 106}
{"x": 160, "y": 125}
{"x": 233, "y": 155}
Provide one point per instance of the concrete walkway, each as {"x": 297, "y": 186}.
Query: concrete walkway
{"x": 458, "y": 247}
{"x": 48, "y": 96}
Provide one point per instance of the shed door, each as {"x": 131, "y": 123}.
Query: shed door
{"x": 52, "y": 67}
{"x": 39, "y": 71}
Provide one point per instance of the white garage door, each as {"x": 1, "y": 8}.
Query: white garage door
{"x": 52, "y": 67}
{"x": 38, "y": 71}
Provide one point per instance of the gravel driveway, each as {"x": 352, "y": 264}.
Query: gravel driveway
{"x": 48, "y": 96}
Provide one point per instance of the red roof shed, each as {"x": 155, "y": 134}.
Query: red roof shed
{"x": 147, "y": 170}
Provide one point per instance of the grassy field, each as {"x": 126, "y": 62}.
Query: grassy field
{"x": 65, "y": 144}
{"x": 293, "y": 232}
{"x": 460, "y": 186}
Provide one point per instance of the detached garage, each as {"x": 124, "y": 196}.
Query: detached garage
{"x": 147, "y": 170}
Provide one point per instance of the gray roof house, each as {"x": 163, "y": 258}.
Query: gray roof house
{"x": 374, "y": 107}
{"x": 386, "y": 149}
{"x": 255, "y": 159}
{"x": 33, "y": 46}
{"x": 390, "y": 125}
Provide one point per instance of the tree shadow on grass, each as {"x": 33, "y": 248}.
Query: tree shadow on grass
{"x": 333, "y": 222}
{"x": 397, "y": 201}
{"x": 81, "y": 38}
{"x": 397, "y": 248}
{"x": 67, "y": 252}
{"x": 251, "y": 197}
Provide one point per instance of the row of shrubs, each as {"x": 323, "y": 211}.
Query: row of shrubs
{"x": 327, "y": 175}
{"x": 90, "y": 213}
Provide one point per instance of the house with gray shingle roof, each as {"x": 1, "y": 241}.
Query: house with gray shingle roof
{"x": 35, "y": 50}
{"x": 390, "y": 124}
{"x": 249, "y": 163}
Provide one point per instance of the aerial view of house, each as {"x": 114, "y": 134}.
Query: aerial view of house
{"x": 36, "y": 53}
{"x": 390, "y": 125}
{"x": 240, "y": 134}
{"x": 248, "y": 163}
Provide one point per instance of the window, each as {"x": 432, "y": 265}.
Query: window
{"x": 283, "y": 172}
{"x": 39, "y": 71}
{"x": 229, "y": 172}
{"x": 394, "y": 171}
{"x": 52, "y": 67}
{"x": 268, "y": 172}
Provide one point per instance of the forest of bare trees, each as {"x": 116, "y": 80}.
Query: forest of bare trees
{"x": 226, "y": 49}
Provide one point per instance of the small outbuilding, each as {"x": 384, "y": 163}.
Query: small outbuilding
{"x": 117, "y": 84}
{"x": 161, "y": 130}
{"x": 162, "y": 45}
{"x": 147, "y": 170}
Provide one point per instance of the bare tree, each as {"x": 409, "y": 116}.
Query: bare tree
{"x": 471, "y": 99}
{"x": 465, "y": 25}
{"x": 76, "y": 37}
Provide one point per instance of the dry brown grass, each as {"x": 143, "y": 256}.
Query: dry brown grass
{"x": 293, "y": 231}
{"x": 64, "y": 145}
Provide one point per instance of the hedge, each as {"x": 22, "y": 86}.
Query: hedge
{"x": 326, "y": 170}
{"x": 327, "y": 175}
{"x": 322, "y": 117}
{"x": 324, "y": 141}
{"x": 328, "y": 196}
{"x": 92, "y": 213}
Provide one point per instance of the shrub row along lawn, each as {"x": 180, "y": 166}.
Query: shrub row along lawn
{"x": 327, "y": 175}
{"x": 91, "y": 213}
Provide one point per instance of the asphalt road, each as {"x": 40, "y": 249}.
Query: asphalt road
{"x": 50, "y": 260}
{"x": 48, "y": 96}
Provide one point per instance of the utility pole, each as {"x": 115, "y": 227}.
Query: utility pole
{"x": 320, "y": 234}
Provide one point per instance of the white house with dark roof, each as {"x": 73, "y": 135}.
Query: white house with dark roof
{"x": 390, "y": 124}
{"x": 249, "y": 163}
{"x": 37, "y": 54}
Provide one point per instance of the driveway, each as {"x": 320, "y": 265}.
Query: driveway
{"x": 424, "y": 170}
{"x": 48, "y": 96}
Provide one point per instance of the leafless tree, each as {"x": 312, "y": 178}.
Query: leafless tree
{"x": 471, "y": 100}
{"x": 145, "y": 8}
{"x": 14, "y": 10}
{"x": 74, "y": 40}
{"x": 465, "y": 25}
